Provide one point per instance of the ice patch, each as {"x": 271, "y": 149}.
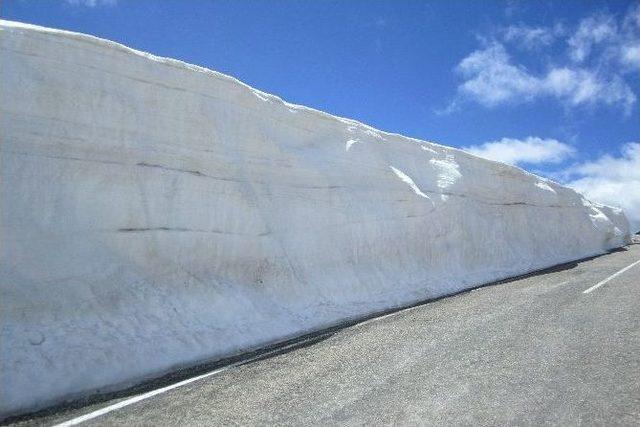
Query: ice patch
{"x": 448, "y": 172}
{"x": 544, "y": 186}
{"x": 349, "y": 143}
{"x": 407, "y": 179}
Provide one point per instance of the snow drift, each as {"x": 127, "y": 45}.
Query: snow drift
{"x": 156, "y": 214}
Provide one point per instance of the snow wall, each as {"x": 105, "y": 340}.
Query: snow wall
{"x": 156, "y": 214}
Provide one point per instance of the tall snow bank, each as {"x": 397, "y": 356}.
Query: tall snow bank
{"x": 155, "y": 214}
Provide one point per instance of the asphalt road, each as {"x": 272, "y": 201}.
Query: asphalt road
{"x": 532, "y": 351}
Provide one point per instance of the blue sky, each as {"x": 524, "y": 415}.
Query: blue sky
{"x": 551, "y": 86}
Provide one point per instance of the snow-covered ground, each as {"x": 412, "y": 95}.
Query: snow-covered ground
{"x": 155, "y": 214}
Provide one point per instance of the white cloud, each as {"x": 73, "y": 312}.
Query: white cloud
{"x": 591, "y": 31}
{"x": 491, "y": 78}
{"x": 630, "y": 44}
{"x": 602, "y": 50}
{"x": 630, "y": 55}
{"x": 531, "y": 37}
{"x": 92, "y": 3}
{"x": 607, "y": 42}
{"x": 580, "y": 87}
{"x": 531, "y": 150}
{"x": 612, "y": 180}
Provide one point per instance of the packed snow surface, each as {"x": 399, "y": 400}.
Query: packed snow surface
{"x": 156, "y": 214}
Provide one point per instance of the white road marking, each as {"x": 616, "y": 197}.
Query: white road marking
{"x": 614, "y": 275}
{"x": 147, "y": 395}
{"x": 135, "y": 399}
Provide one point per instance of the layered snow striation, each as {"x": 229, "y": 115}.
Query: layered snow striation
{"x": 156, "y": 214}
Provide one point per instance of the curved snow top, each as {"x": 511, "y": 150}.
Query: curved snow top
{"x": 267, "y": 97}
{"x": 87, "y": 38}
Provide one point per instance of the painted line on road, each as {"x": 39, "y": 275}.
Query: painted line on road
{"x": 135, "y": 399}
{"x": 614, "y": 275}
{"x": 149, "y": 394}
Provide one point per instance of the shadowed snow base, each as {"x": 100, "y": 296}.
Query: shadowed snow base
{"x": 156, "y": 214}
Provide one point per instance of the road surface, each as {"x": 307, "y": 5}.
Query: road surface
{"x": 537, "y": 350}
